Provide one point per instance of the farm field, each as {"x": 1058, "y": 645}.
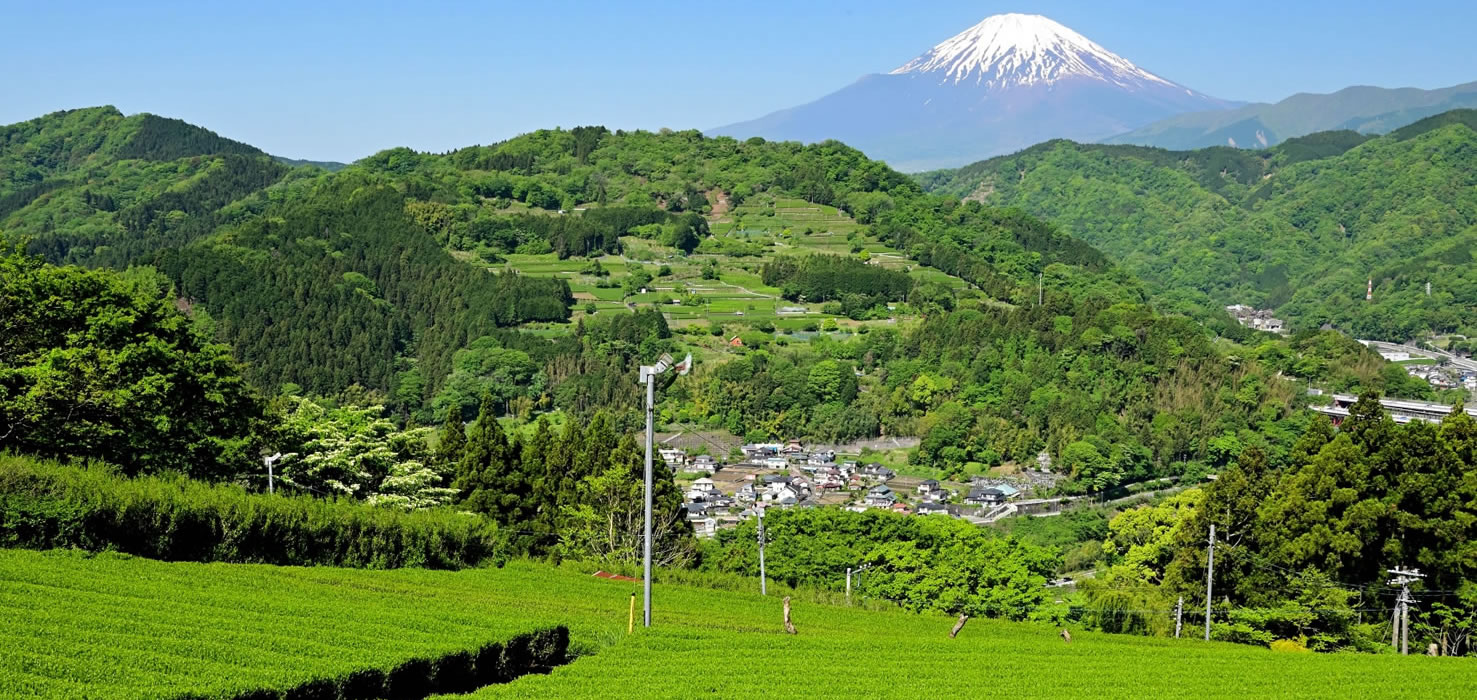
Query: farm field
{"x": 777, "y": 226}
{"x": 112, "y": 626}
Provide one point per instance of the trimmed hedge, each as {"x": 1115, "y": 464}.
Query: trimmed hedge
{"x": 458, "y": 672}
{"x": 46, "y": 504}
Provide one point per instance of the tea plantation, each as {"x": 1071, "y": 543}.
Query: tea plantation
{"x": 111, "y": 626}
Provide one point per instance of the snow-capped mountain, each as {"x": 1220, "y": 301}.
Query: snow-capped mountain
{"x": 1025, "y": 50}
{"x": 1004, "y": 84}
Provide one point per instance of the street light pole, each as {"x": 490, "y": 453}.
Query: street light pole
{"x": 269, "y": 461}
{"x": 648, "y": 377}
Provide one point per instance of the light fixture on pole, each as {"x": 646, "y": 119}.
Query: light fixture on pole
{"x": 649, "y": 373}
{"x": 268, "y": 461}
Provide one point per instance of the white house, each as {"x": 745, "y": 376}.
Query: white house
{"x": 929, "y": 486}
{"x": 776, "y": 463}
{"x": 673, "y": 457}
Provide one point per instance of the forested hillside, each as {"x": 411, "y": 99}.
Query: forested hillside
{"x": 373, "y": 286}
{"x": 1298, "y": 228}
{"x": 322, "y": 281}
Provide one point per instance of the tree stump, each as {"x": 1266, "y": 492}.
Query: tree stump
{"x": 1066, "y": 636}
{"x": 963, "y": 618}
{"x": 1433, "y": 650}
{"x": 789, "y": 628}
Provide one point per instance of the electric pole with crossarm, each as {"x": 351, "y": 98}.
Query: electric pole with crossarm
{"x": 1400, "y": 631}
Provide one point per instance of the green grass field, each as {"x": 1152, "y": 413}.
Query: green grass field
{"x": 111, "y": 626}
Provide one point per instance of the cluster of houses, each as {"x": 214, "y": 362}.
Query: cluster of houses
{"x": 802, "y": 478}
{"x": 1259, "y": 319}
{"x": 788, "y": 475}
{"x": 1443, "y": 376}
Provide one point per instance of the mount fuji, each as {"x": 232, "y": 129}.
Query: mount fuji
{"x": 1006, "y": 83}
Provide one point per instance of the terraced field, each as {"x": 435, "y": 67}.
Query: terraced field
{"x": 109, "y": 626}
{"x": 739, "y": 296}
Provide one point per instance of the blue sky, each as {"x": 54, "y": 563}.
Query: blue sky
{"x": 340, "y": 80}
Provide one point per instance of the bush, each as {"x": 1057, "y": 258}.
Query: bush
{"x": 1288, "y": 645}
{"x": 44, "y": 505}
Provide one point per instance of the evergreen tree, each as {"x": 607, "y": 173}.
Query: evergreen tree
{"x": 452, "y": 443}
{"x": 489, "y": 474}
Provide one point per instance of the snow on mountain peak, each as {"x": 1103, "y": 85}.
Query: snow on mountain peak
{"x": 1023, "y": 50}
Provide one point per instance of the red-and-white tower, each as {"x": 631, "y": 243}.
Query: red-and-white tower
{"x": 1369, "y": 290}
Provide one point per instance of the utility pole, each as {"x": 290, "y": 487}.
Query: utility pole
{"x": 848, "y": 585}
{"x": 1179, "y": 611}
{"x": 763, "y": 580}
{"x": 1403, "y": 579}
{"x": 1209, "y": 575}
{"x": 648, "y": 374}
{"x": 650, "y": 378}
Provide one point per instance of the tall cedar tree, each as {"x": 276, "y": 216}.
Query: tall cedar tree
{"x": 452, "y": 443}
{"x": 490, "y": 474}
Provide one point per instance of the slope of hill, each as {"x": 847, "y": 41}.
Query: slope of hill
{"x": 1368, "y": 110}
{"x": 1299, "y": 227}
{"x": 378, "y": 274}
{"x": 1006, "y": 83}
{"x": 119, "y": 627}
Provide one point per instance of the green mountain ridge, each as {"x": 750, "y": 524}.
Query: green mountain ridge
{"x": 279, "y": 258}
{"x": 1299, "y": 227}
{"x": 441, "y": 285}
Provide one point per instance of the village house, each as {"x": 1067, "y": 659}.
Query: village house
{"x": 985, "y": 496}
{"x": 705, "y": 527}
{"x": 700, "y": 489}
{"x": 701, "y": 463}
{"x": 745, "y": 494}
{"x": 931, "y": 508}
{"x": 928, "y": 487}
{"x": 880, "y": 496}
{"x": 673, "y": 457}
{"x": 776, "y": 463}
{"x": 761, "y": 449}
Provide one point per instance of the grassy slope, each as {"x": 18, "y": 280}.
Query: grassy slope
{"x": 111, "y": 626}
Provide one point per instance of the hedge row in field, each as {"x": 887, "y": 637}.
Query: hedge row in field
{"x": 458, "y": 672}
{"x": 45, "y": 505}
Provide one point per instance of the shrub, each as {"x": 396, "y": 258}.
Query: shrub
{"x": 1288, "y": 645}
{"x": 44, "y": 505}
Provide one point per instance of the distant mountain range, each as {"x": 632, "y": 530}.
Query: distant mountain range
{"x": 1369, "y": 110}
{"x": 1006, "y": 83}
{"x": 1014, "y": 80}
